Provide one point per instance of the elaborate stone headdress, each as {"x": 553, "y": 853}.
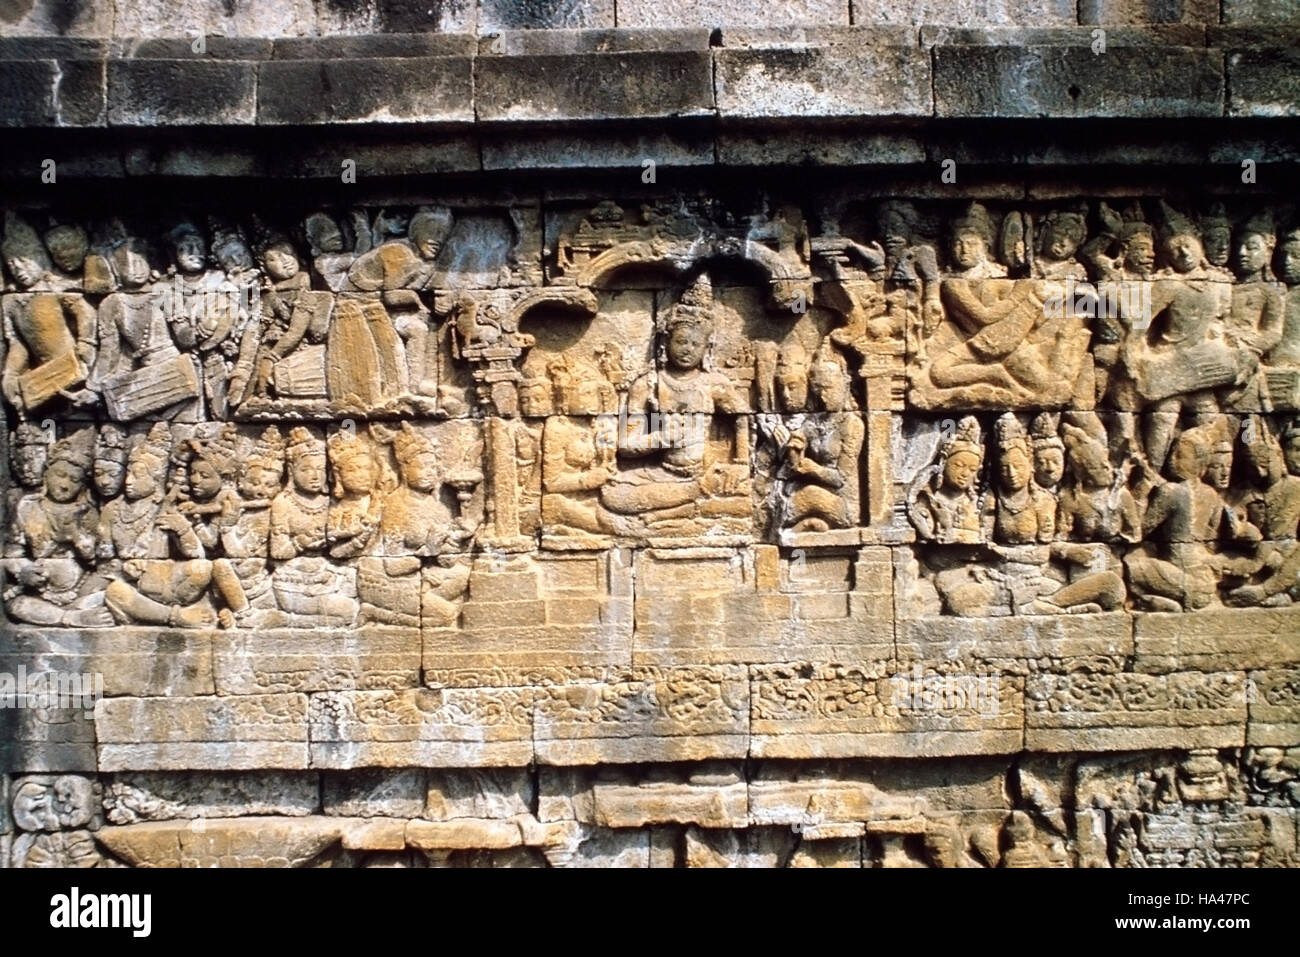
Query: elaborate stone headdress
{"x": 1216, "y": 217}
{"x": 1261, "y": 224}
{"x": 110, "y": 444}
{"x": 695, "y": 306}
{"x": 67, "y": 241}
{"x": 1174, "y": 223}
{"x": 220, "y": 451}
{"x": 1010, "y": 433}
{"x": 1073, "y": 220}
{"x": 409, "y": 443}
{"x": 1044, "y": 431}
{"x": 75, "y": 450}
{"x": 185, "y": 229}
{"x": 302, "y": 442}
{"x": 154, "y": 450}
{"x": 966, "y": 438}
{"x": 269, "y": 448}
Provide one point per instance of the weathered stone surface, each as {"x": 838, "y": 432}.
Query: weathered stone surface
{"x": 616, "y": 85}
{"x": 545, "y": 15}
{"x": 830, "y": 711}
{"x": 293, "y": 661}
{"x": 1258, "y": 11}
{"x": 1019, "y": 12}
{"x": 178, "y": 733}
{"x": 1262, "y": 82}
{"x": 644, "y": 714}
{"x": 730, "y": 13}
{"x": 1128, "y": 712}
{"x": 158, "y": 796}
{"x": 423, "y": 727}
{"x": 185, "y": 92}
{"x": 1148, "y": 11}
{"x": 375, "y": 792}
{"x": 1217, "y": 640}
{"x": 303, "y": 91}
{"x": 820, "y": 73}
{"x": 1064, "y": 82}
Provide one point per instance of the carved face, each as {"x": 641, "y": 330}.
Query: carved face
{"x": 357, "y": 473}
{"x": 1014, "y": 469}
{"x": 1252, "y": 253}
{"x": 1049, "y": 465}
{"x": 1263, "y": 459}
{"x": 67, "y": 246}
{"x": 1185, "y": 252}
{"x": 29, "y": 463}
{"x": 63, "y": 481}
{"x": 26, "y": 272}
{"x": 968, "y": 250}
{"x": 280, "y": 262}
{"x": 233, "y": 255}
{"x": 1290, "y": 262}
{"x": 1218, "y": 244}
{"x": 420, "y": 472}
{"x": 535, "y": 397}
{"x": 428, "y": 237}
{"x": 141, "y": 482}
{"x": 131, "y": 265}
{"x": 686, "y": 345}
{"x": 1059, "y": 241}
{"x": 1291, "y": 453}
{"x": 309, "y": 473}
{"x": 190, "y": 253}
{"x": 325, "y": 235}
{"x": 260, "y": 480}
{"x": 205, "y": 481}
{"x": 792, "y": 384}
{"x": 34, "y": 807}
{"x": 828, "y": 385}
{"x": 1091, "y": 467}
{"x": 960, "y": 469}
{"x": 1140, "y": 253}
{"x": 1186, "y": 461}
{"x": 1219, "y": 470}
{"x": 107, "y": 476}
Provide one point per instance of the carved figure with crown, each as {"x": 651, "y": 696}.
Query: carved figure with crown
{"x": 701, "y": 479}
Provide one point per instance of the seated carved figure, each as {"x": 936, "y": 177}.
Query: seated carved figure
{"x": 579, "y": 454}
{"x": 818, "y": 485}
{"x": 1098, "y": 510}
{"x": 146, "y": 530}
{"x": 1175, "y": 569}
{"x": 245, "y": 540}
{"x": 1276, "y": 578}
{"x": 52, "y": 546}
{"x": 671, "y": 413}
{"x": 306, "y": 584}
{"x": 417, "y": 521}
{"x": 943, "y": 500}
{"x": 1001, "y": 344}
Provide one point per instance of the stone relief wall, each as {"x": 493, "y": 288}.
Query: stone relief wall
{"x": 648, "y": 531}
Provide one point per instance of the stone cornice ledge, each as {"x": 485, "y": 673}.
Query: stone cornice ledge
{"x": 536, "y": 77}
